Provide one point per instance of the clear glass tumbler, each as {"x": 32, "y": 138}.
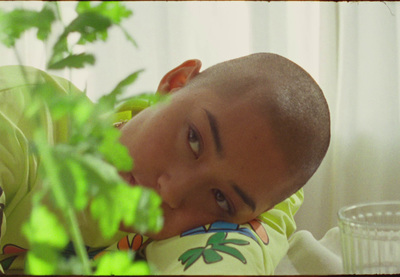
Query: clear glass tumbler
{"x": 370, "y": 237}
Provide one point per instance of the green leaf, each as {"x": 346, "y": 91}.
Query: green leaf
{"x": 135, "y": 206}
{"x": 74, "y": 178}
{"x": 80, "y": 185}
{"x": 76, "y": 107}
{"x": 50, "y": 168}
{"x": 129, "y": 203}
{"x": 106, "y": 213}
{"x": 42, "y": 260}
{"x": 148, "y": 213}
{"x": 13, "y": 24}
{"x": 211, "y": 256}
{"x": 129, "y": 80}
{"x": 114, "y": 11}
{"x": 107, "y": 102}
{"x": 82, "y": 175}
{"x": 128, "y": 36}
{"x": 126, "y": 82}
{"x": 90, "y": 25}
{"x": 101, "y": 171}
{"x": 43, "y": 228}
{"x": 82, "y": 111}
{"x": 147, "y": 217}
{"x": 114, "y": 152}
{"x": 44, "y": 20}
{"x": 73, "y": 61}
{"x": 60, "y": 50}
{"x": 120, "y": 263}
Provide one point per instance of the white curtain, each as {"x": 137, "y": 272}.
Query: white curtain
{"x": 359, "y": 72}
{"x": 351, "y": 49}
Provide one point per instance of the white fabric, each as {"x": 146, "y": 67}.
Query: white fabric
{"x": 308, "y": 256}
{"x": 351, "y": 49}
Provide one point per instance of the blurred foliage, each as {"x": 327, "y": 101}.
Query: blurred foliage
{"x": 16, "y": 22}
{"x": 81, "y": 173}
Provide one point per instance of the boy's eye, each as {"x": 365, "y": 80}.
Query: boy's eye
{"x": 194, "y": 142}
{"x": 221, "y": 201}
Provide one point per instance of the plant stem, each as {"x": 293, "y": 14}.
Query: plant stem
{"x": 67, "y": 209}
{"x": 78, "y": 242}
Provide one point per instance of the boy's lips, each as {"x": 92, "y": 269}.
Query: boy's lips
{"x": 132, "y": 180}
{"x": 129, "y": 178}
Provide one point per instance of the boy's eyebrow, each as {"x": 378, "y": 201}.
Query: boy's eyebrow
{"x": 217, "y": 141}
{"x": 245, "y": 197}
{"x": 215, "y": 131}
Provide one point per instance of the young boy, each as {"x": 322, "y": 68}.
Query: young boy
{"x": 230, "y": 146}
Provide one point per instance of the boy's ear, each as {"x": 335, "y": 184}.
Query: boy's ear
{"x": 179, "y": 76}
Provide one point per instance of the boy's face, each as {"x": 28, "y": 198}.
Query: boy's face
{"x": 208, "y": 158}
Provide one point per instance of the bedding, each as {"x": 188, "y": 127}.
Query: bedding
{"x": 309, "y": 256}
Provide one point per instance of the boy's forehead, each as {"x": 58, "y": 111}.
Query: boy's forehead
{"x": 231, "y": 113}
{"x": 213, "y": 96}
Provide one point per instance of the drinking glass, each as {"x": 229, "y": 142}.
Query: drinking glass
{"x": 370, "y": 238}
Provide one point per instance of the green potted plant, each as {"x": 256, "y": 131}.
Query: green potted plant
{"x": 81, "y": 173}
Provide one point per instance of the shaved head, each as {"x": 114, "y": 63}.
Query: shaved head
{"x": 289, "y": 98}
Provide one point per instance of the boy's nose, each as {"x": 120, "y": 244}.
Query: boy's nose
{"x": 173, "y": 191}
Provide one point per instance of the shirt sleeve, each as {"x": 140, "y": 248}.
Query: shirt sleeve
{"x": 16, "y": 172}
{"x": 18, "y": 166}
